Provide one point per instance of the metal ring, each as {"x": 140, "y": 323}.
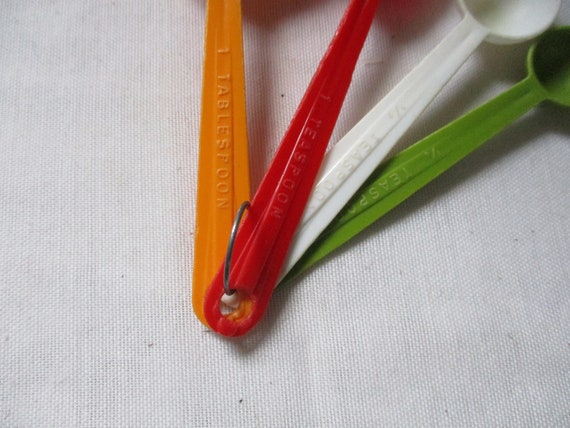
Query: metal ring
{"x": 228, "y": 261}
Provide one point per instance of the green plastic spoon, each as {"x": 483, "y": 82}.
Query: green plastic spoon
{"x": 548, "y": 64}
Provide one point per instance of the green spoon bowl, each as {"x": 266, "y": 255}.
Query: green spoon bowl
{"x": 549, "y": 62}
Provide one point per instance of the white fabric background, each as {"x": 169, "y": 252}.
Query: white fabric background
{"x": 454, "y": 310}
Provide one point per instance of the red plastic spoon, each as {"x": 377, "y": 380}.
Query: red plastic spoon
{"x": 262, "y": 241}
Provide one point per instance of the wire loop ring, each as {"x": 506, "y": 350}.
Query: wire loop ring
{"x": 228, "y": 260}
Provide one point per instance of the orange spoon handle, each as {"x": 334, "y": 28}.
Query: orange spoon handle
{"x": 223, "y": 165}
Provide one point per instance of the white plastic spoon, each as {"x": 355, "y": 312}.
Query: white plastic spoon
{"x": 349, "y": 163}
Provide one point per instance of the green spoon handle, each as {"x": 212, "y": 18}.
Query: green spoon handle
{"x": 410, "y": 170}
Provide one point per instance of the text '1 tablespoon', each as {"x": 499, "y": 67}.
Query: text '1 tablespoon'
{"x": 351, "y": 161}
{"x": 223, "y": 166}
{"x": 548, "y": 65}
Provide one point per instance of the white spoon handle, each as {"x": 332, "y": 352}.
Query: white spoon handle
{"x": 349, "y": 163}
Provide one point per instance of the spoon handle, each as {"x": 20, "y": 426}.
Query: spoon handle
{"x": 223, "y": 167}
{"x": 349, "y": 163}
{"x": 410, "y": 170}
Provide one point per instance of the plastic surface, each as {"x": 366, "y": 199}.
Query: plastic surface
{"x": 393, "y": 182}
{"x": 264, "y": 237}
{"x": 223, "y": 168}
{"x": 351, "y": 161}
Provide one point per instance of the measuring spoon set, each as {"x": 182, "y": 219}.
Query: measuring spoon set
{"x": 309, "y": 202}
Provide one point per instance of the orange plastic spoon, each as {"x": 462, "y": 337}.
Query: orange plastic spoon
{"x": 223, "y": 165}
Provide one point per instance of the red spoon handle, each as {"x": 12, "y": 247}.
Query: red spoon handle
{"x": 263, "y": 239}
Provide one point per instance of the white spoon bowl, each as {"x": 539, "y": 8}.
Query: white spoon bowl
{"x": 512, "y": 21}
